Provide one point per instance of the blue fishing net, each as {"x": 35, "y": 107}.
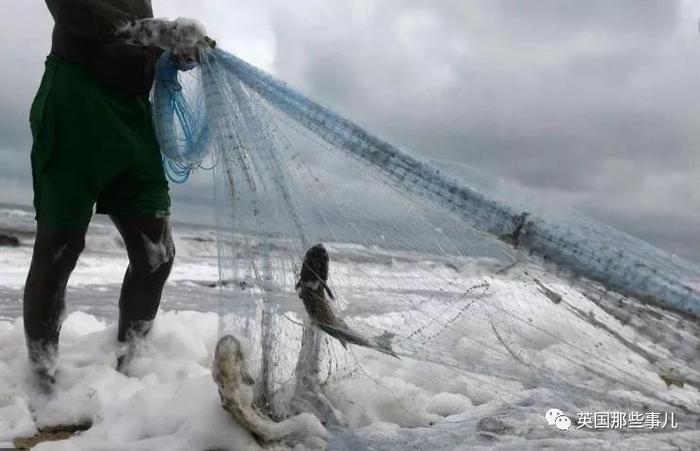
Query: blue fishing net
{"x": 181, "y": 120}
{"x": 187, "y": 125}
{"x": 464, "y": 274}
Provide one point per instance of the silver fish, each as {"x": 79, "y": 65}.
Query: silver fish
{"x": 312, "y": 289}
{"x": 235, "y": 385}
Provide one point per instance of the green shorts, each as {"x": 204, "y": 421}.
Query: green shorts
{"x": 93, "y": 144}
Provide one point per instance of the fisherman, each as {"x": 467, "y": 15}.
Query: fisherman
{"x": 94, "y": 144}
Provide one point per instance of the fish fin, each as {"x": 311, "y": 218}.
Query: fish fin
{"x": 328, "y": 290}
{"x": 343, "y": 334}
{"x": 388, "y": 352}
{"x": 384, "y": 340}
{"x": 383, "y": 343}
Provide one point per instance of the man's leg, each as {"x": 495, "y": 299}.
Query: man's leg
{"x": 151, "y": 251}
{"x": 55, "y": 255}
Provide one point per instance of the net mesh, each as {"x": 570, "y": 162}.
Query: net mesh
{"x": 458, "y": 270}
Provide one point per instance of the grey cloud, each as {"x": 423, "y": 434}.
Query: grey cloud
{"x": 551, "y": 94}
{"x": 557, "y": 19}
{"x": 24, "y": 36}
{"x": 589, "y": 102}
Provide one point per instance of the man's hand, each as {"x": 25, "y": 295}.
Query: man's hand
{"x": 183, "y": 37}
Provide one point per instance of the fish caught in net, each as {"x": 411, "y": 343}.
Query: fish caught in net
{"x": 350, "y": 267}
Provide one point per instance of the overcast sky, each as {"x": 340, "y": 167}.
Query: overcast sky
{"x": 595, "y": 103}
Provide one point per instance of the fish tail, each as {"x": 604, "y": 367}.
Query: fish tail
{"x": 384, "y": 340}
{"x": 383, "y": 343}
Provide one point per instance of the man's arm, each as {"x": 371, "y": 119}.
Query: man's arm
{"x": 96, "y": 19}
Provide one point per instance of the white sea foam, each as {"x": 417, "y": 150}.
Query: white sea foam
{"x": 170, "y": 401}
{"x": 472, "y": 392}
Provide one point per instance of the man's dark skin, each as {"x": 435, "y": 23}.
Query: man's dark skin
{"x": 83, "y": 35}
